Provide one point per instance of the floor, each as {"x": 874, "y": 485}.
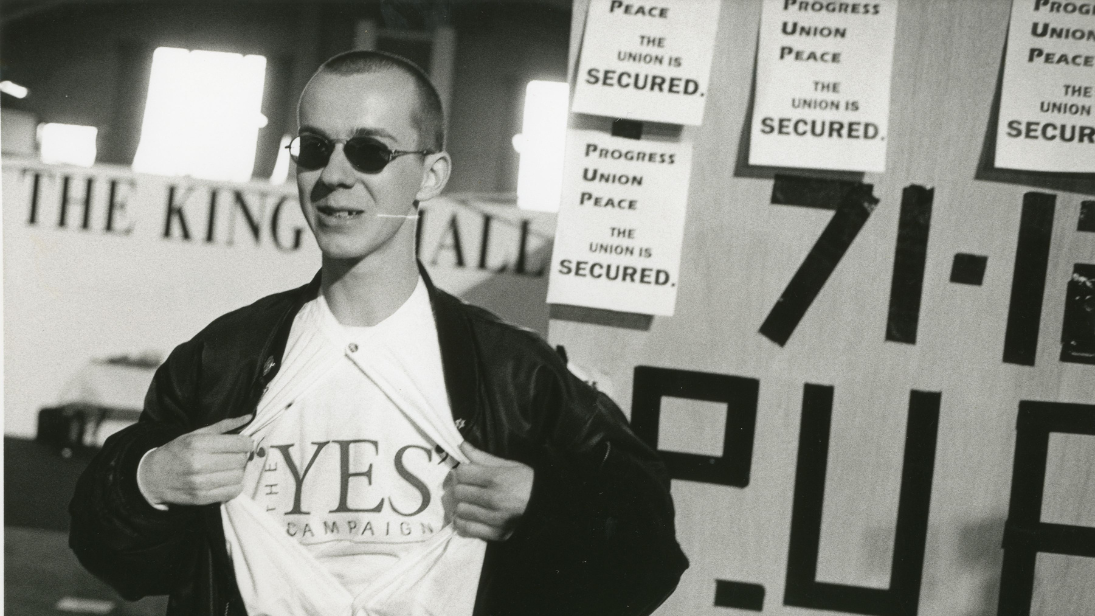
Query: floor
{"x": 41, "y": 575}
{"x": 43, "y": 578}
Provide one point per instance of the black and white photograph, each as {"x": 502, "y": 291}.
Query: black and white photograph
{"x": 548, "y": 307}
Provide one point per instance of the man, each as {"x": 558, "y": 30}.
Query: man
{"x": 369, "y": 384}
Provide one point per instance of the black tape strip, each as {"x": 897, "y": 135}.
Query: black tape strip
{"x": 597, "y": 316}
{"x": 740, "y": 595}
{"x": 968, "y": 269}
{"x": 1028, "y": 284}
{"x": 1024, "y": 533}
{"x": 902, "y": 597}
{"x": 1078, "y": 330}
{"x": 851, "y": 213}
{"x": 628, "y": 129}
{"x": 910, "y": 255}
{"x": 738, "y": 393}
{"x": 811, "y": 192}
{"x": 1087, "y": 217}
{"x": 1053, "y": 538}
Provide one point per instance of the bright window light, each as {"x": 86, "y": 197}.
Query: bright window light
{"x": 543, "y": 135}
{"x": 281, "y": 165}
{"x": 14, "y": 89}
{"x": 67, "y": 144}
{"x": 202, "y": 115}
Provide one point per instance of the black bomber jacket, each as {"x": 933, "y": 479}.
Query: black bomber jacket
{"x": 597, "y": 537}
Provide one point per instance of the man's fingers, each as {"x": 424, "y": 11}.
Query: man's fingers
{"x": 207, "y": 482}
{"x": 477, "y": 530}
{"x": 201, "y": 467}
{"x": 475, "y": 513}
{"x": 224, "y": 425}
{"x": 474, "y": 494}
{"x": 205, "y": 464}
{"x": 204, "y": 488}
{"x": 226, "y": 479}
{"x": 473, "y": 474}
{"x": 222, "y": 443}
{"x": 478, "y": 456}
{"x": 220, "y": 495}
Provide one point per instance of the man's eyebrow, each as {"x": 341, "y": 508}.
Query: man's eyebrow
{"x": 358, "y": 132}
{"x": 312, "y": 130}
{"x": 373, "y": 132}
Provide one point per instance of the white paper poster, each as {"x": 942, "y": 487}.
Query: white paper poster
{"x": 621, "y": 223}
{"x": 823, "y": 84}
{"x": 647, "y": 61}
{"x": 1046, "y": 121}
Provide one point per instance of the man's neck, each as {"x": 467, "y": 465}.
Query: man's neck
{"x": 366, "y": 292}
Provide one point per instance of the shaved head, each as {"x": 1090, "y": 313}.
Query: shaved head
{"x": 428, "y": 116}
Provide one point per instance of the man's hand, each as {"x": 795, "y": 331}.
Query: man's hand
{"x": 202, "y": 467}
{"x": 490, "y": 494}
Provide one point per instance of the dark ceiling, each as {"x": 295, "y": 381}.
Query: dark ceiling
{"x": 12, "y": 11}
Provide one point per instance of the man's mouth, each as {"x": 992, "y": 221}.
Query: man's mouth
{"x": 331, "y": 211}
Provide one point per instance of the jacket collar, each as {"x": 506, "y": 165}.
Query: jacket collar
{"x": 459, "y": 361}
{"x": 459, "y": 354}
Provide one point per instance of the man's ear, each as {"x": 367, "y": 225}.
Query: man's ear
{"x": 435, "y": 175}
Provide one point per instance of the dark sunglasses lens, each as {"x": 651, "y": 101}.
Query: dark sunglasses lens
{"x": 367, "y": 155}
{"x": 310, "y": 152}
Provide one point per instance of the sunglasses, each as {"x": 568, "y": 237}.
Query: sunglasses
{"x": 366, "y": 154}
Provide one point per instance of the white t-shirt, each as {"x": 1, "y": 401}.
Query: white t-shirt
{"x": 344, "y": 471}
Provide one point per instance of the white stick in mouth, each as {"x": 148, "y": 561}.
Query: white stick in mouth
{"x": 397, "y": 215}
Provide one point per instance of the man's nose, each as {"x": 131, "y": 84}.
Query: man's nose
{"x": 338, "y": 171}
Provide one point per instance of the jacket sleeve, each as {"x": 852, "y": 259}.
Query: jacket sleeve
{"x": 599, "y": 524}
{"x": 115, "y": 533}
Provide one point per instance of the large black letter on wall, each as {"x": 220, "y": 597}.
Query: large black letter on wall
{"x": 740, "y": 396}
{"x": 1028, "y": 283}
{"x": 729, "y": 469}
{"x": 853, "y": 202}
{"x": 903, "y": 595}
{"x": 1025, "y": 534}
